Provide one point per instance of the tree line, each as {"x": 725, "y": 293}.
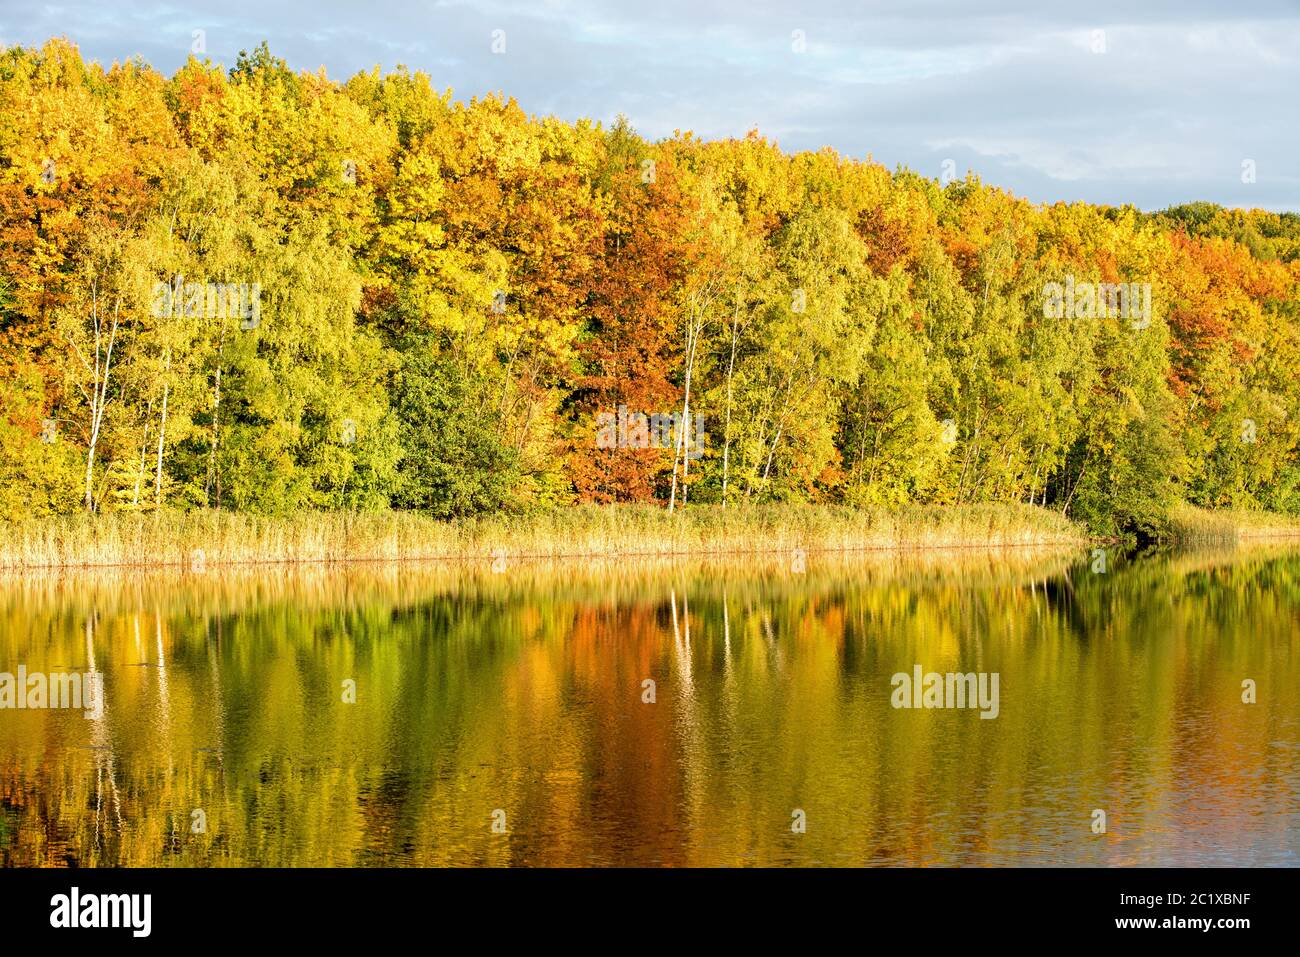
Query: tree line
{"x": 379, "y": 297}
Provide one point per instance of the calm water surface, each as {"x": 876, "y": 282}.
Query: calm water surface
{"x": 519, "y": 699}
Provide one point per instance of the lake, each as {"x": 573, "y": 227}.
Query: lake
{"x": 1135, "y": 710}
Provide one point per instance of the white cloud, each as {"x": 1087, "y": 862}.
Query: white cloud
{"x": 1184, "y": 91}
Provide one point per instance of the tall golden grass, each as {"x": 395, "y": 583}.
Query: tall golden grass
{"x": 185, "y": 539}
{"x": 1192, "y": 525}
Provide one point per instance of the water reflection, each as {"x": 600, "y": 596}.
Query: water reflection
{"x": 526, "y": 692}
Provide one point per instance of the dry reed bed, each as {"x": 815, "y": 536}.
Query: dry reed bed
{"x": 185, "y": 539}
{"x": 1196, "y": 525}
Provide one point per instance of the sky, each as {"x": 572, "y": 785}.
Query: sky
{"x": 1149, "y": 102}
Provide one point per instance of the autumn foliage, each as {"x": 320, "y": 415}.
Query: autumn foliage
{"x": 452, "y": 294}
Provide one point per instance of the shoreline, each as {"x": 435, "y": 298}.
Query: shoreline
{"x": 190, "y": 541}
{"x": 205, "y": 539}
{"x": 1189, "y": 525}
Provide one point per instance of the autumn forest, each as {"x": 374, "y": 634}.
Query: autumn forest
{"x": 263, "y": 291}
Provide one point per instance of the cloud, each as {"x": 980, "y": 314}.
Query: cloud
{"x": 1017, "y": 90}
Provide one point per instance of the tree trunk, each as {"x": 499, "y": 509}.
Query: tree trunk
{"x": 162, "y": 434}
{"x": 98, "y": 396}
{"x": 144, "y": 457}
{"x": 692, "y": 340}
{"x": 731, "y": 366}
{"x": 213, "y": 478}
{"x": 780, "y": 427}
